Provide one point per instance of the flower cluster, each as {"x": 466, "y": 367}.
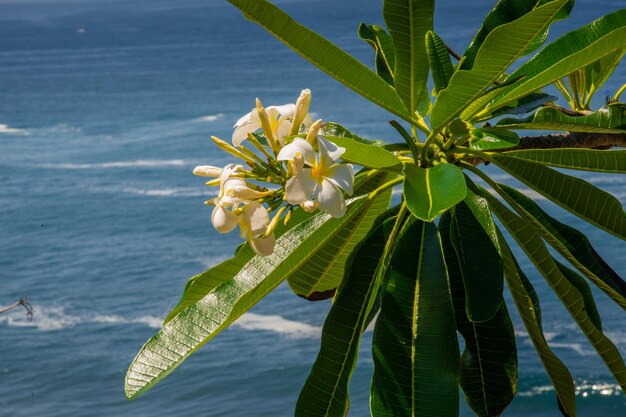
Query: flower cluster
{"x": 286, "y": 151}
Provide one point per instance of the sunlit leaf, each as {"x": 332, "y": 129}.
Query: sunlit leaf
{"x": 573, "y": 194}
{"x": 431, "y": 191}
{"x": 501, "y": 47}
{"x": 487, "y": 138}
{"x": 381, "y": 41}
{"x": 324, "y": 54}
{"x": 200, "y": 322}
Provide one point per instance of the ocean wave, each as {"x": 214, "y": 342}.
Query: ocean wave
{"x": 583, "y": 389}
{"x": 160, "y": 192}
{"x": 278, "y": 324}
{"x": 210, "y": 117}
{"x": 140, "y": 163}
{"x": 56, "y": 318}
{"x": 6, "y": 130}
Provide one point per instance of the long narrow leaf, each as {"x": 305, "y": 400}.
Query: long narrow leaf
{"x": 416, "y": 356}
{"x": 573, "y": 194}
{"x": 381, "y": 41}
{"x": 408, "y": 22}
{"x": 570, "y": 243}
{"x": 527, "y": 304}
{"x": 324, "y": 54}
{"x": 580, "y": 159}
{"x": 200, "y": 322}
{"x": 489, "y": 360}
{"x": 479, "y": 260}
{"x": 569, "y": 53}
{"x": 569, "y": 294}
{"x": 501, "y": 48}
{"x": 325, "y": 392}
{"x": 506, "y": 11}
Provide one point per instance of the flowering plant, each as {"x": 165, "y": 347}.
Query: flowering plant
{"x": 435, "y": 263}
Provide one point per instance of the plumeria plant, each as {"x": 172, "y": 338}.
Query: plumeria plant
{"x": 431, "y": 268}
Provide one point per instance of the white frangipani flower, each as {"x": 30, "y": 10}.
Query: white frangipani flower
{"x": 253, "y": 223}
{"x": 280, "y": 120}
{"x": 319, "y": 182}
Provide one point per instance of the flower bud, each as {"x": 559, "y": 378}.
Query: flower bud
{"x": 309, "y": 206}
{"x": 207, "y": 171}
{"x": 311, "y": 137}
{"x": 302, "y": 109}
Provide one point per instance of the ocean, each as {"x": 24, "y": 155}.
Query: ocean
{"x": 105, "y": 108}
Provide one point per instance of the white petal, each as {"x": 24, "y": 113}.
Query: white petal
{"x": 241, "y": 133}
{"x": 284, "y": 126}
{"x": 228, "y": 194}
{"x": 298, "y": 146}
{"x": 331, "y": 199}
{"x": 262, "y": 246}
{"x": 223, "y": 220}
{"x": 256, "y": 218}
{"x": 244, "y": 192}
{"x": 286, "y": 110}
{"x": 329, "y": 152}
{"x": 299, "y": 188}
{"x": 342, "y": 175}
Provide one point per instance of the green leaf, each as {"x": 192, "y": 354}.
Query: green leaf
{"x": 580, "y": 284}
{"x": 528, "y": 306}
{"x": 318, "y": 278}
{"x": 415, "y": 348}
{"x": 440, "y": 62}
{"x": 502, "y": 46}
{"x": 487, "y": 138}
{"x": 431, "y": 191}
{"x": 324, "y": 54}
{"x": 489, "y": 360}
{"x": 335, "y": 129}
{"x": 504, "y": 12}
{"x": 573, "y": 194}
{"x": 370, "y": 156}
{"x": 611, "y": 120}
{"x": 569, "y": 53}
{"x": 613, "y": 161}
{"x": 325, "y": 392}
{"x": 408, "y": 22}
{"x": 200, "y": 322}
{"x": 522, "y": 105}
{"x": 478, "y": 259}
{"x": 570, "y": 243}
{"x": 599, "y": 72}
{"x": 575, "y": 301}
{"x": 381, "y": 41}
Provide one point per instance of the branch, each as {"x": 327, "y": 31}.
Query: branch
{"x": 573, "y": 140}
{"x": 21, "y": 302}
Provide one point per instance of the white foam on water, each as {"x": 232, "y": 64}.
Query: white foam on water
{"x": 141, "y": 163}
{"x": 583, "y": 389}
{"x": 56, "y": 318}
{"x": 280, "y": 325}
{"x": 6, "y": 130}
{"x": 161, "y": 192}
{"x": 210, "y": 117}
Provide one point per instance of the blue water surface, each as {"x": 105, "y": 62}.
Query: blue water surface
{"x": 105, "y": 108}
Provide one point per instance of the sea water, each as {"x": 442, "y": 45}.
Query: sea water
{"x": 105, "y": 108}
